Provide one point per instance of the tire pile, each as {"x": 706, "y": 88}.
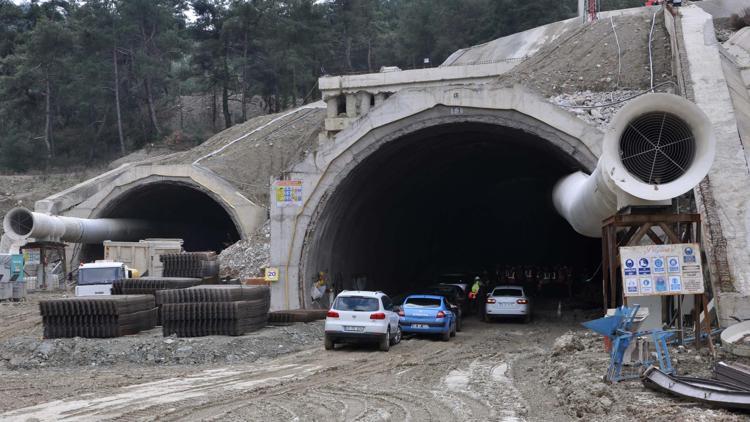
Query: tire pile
{"x": 214, "y": 310}
{"x": 191, "y": 264}
{"x": 150, "y": 285}
{"x": 98, "y": 316}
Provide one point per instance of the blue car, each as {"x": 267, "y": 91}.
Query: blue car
{"x": 427, "y": 314}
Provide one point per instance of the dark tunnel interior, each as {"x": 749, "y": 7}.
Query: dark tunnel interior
{"x": 463, "y": 200}
{"x": 181, "y": 212}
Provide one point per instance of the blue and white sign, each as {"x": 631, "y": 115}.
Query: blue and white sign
{"x": 654, "y": 270}
{"x": 673, "y": 264}
{"x": 647, "y": 286}
{"x": 629, "y": 268}
{"x": 659, "y": 265}
{"x": 675, "y": 283}
{"x": 689, "y": 256}
{"x": 631, "y": 286}
{"x": 643, "y": 268}
{"x": 660, "y": 282}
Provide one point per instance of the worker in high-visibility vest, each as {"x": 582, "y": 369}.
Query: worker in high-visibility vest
{"x": 474, "y": 294}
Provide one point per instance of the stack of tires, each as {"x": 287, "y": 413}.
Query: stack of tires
{"x": 98, "y": 316}
{"x": 204, "y": 265}
{"x": 150, "y": 285}
{"x": 214, "y": 310}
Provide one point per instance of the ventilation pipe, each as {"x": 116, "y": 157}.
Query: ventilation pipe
{"x": 21, "y": 224}
{"x": 660, "y": 146}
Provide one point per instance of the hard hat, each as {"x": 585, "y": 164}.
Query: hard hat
{"x": 476, "y": 278}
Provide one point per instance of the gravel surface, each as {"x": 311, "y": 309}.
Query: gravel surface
{"x": 606, "y": 105}
{"x": 587, "y": 59}
{"x": 246, "y": 258}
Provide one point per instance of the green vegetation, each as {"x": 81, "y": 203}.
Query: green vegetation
{"x": 86, "y": 81}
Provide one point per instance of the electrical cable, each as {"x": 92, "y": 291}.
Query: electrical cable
{"x": 619, "y": 55}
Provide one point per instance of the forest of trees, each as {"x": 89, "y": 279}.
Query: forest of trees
{"x": 87, "y": 81}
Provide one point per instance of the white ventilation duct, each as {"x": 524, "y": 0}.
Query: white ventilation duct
{"x": 660, "y": 146}
{"x": 21, "y": 224}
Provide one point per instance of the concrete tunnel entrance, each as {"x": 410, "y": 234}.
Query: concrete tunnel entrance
{"x": 466, "y": 199}
{"x": 186, "y": 212}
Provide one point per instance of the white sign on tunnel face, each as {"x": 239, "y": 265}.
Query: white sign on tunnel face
{"x": 288, "y": 193}
{"x": 662, "y": 269}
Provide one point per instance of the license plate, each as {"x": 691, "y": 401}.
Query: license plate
{"x": 353, "y": 328}
{"x": 419, "y": 326}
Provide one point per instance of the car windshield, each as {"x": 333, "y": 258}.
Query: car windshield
{"x": 421, "y": 302}
{"x": 507, "y": 292}
{"x": 356, "y": 304}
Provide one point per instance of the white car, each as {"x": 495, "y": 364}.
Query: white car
{"x": 361, "y": 316}
{"x": 507, "y": 301}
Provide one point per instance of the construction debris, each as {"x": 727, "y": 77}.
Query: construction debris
{"x": 98, "y": 316}
{"x": 736, "y": 339}
{"x": 708, "y": 391}
{"x": 595, "y": 108}
{"x": 247, "y": 258}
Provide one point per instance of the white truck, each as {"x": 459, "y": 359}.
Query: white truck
{"x": 96, "y": 278}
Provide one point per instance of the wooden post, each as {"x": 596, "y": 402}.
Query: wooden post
{"x": 696, "y": 321}
{"x": 680, "y": 327}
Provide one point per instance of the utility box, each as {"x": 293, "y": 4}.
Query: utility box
{"x": 142, "y": 255}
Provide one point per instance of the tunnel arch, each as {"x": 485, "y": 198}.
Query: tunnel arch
{"x": 188, "y": 210}
{"x": 406, "y": 137}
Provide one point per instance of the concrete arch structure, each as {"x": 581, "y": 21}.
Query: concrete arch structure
{"x": 406, "y": 113}
{"x": 100, "y": 196}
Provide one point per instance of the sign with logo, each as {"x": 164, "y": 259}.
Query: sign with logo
{"x": 662, "y": 269}
{"x": 288, "y": 193}
{"x": 629, "y": 268}
{"x": 272, "y": 274}
{"x": 32, "y": 256}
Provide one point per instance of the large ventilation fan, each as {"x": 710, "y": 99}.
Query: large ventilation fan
{"x": 657, "y": 148}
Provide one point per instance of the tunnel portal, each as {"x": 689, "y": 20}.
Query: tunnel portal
{"x": 185, "y": 211}
{"x": 445, "y": 203}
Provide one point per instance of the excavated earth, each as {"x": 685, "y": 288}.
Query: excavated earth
{"x": 550, "y": 369}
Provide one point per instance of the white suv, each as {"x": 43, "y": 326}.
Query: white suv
{"x": 360, "y": 316}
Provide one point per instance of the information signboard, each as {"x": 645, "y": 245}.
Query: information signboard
{"x": 661, "y": 270}
{"x": 32, "y": 256}
{"x": 288, "y": 193}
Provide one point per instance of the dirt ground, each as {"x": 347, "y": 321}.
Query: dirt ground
{"x": 587, "y": 58}
{"x": 550, "y": 369}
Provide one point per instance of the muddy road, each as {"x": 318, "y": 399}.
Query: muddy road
{"x": 478, "y": 375}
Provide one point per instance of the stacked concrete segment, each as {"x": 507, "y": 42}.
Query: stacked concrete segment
{"x": 214, "y": 310}
{"x": 98, "y": 316}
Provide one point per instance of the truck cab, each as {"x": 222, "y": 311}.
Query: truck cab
{"x": 96, "y": 278}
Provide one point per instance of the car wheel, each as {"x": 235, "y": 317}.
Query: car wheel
{"x": 447, "y": 335}
{"x": 328, "y": 343}
{"x": 397, "y": 337}
{"x": 453, "y": 331}
{"x": 385, "y": 342}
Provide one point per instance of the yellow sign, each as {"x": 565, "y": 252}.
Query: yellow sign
{"x": 272, "y": 274}
{"x": 288, "y": 193}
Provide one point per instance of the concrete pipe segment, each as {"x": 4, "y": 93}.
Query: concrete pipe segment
{"x": 659, "y": 147}
{"x": 21, "y": 223}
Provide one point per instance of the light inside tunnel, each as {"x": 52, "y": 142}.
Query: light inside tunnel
{"x": 455, "y": 199}
{"x": 182, "y": 211}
